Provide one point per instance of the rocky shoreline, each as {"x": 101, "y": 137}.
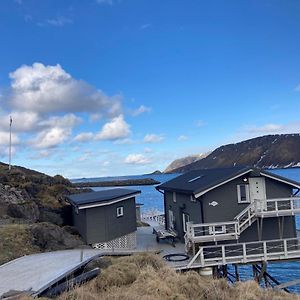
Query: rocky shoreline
{"x": 125, "y": 182}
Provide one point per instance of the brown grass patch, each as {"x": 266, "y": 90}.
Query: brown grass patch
{"x": 15, "y": 240}
{"x": 145, "y": 277}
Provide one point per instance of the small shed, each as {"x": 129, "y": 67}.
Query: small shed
{"x": 106, "y": 219}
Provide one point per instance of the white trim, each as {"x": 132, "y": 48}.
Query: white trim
{"x": 106, "y": 203}
{"x": 221, "y": 183}
{"x": 279, "y": 179}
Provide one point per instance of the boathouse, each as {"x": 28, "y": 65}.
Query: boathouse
{"x": 235, "y": 214}
{"x": 106, "y": 219}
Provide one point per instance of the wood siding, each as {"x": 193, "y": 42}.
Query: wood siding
{"x": 228, "y": 207}
{"x": 103, "y": 224}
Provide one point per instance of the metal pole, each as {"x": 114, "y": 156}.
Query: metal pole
{"x": 10, "y": 121}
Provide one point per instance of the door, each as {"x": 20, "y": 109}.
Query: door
{"x": 185, "y": 219}
{"x": 171, "y": 219}
{"x": 257, "y": 188}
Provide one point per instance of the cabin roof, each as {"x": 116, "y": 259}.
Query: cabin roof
{"x": 101, "y": 198}
{"x": 199, "y": 182}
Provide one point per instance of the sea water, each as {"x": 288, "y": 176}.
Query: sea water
{"x": 153, "y": 200}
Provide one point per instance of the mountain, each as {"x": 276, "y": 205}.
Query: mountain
{"x": 180, "y": 162}
{"x": 270, "y": 151}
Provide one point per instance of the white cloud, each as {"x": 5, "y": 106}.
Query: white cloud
{"x": 51, "y": 137}
{"x": 21, "y": 121}
{"x": 147, "y": 150}
{"x": 4, "y": 139}
{"x": 142, "y": 109}
{"x": 116, "y": 129}
{"x": 153, "y": 138}
{"x": 182, "y": 138}
{"x": 59, "y": 21}
{"x": 137, "y": 159}
{"x": 50, "y": 89}
{"x": 251, "y": 131}
{"x": 84, "y": 137}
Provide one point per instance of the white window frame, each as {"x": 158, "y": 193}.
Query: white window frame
{"x": 185, "y": 219}
{"x": 120, "y": 211}
{"x": 247, "y": 190}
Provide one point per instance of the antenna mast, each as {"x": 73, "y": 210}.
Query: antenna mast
{"x": 10, "y": 122}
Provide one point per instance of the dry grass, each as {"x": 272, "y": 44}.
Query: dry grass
{"x": 15, "y": 240}
{"x": 147, "y": 277}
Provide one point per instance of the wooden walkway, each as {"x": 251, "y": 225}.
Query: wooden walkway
{"x": 35, "y": 273}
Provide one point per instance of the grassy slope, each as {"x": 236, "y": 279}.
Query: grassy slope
{"x": 146, "y": 277}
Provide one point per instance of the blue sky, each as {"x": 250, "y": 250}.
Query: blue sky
{"x": 116, "y": 87}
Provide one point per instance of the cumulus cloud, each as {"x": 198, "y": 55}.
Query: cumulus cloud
{"x": 116, "y": 129}
{"x": 4, "y": 139}
{"x": 50, "y": 137}
{"x": 45, "y": 89}
{"x": 153, "y": 138}
{"x": 142, "y": 109}
{"x": 137, "y": 159}
{"x": 22, "y": 121}
{"x": 44, "y": 102}
{"x": 84, "y": 137}
{"x": 251, "y": 131}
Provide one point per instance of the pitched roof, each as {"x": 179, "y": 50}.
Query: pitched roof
{"x": 201, "y": 181}
{"x": 103, "y": 197}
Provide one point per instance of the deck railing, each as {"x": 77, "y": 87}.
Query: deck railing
{"x": 154, "y": 216}
{"x": 205, "y": 232}
{"x": 246, "y": 252}
{"x": 212, "y": 231}
{"x": 277, "y": 207}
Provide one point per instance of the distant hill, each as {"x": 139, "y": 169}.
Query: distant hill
{"x": 270, "y": 151}
{"x": 180, "y": 162}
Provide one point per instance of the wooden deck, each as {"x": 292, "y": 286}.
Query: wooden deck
{"x": 243, "y": 253}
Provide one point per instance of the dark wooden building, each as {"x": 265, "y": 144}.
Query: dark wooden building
{"x": 106, "y": 219}
{"x": 239, "y": 204}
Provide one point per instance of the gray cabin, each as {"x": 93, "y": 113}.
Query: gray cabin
{"x": 106, "y": 219}
{"x": 230, "y": 205}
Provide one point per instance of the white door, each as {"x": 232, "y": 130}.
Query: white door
{"x": 185, "y": 219}
{"x": 257, "y": 188}
{"x": 171, "y": 219}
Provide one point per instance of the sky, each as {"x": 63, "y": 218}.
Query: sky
{"x": 118, "y": 87}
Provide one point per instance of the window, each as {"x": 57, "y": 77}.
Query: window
{"x": 120, "y": 211}
{"x": 243, "y": 193}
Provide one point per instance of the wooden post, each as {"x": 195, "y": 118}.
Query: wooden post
{"x": 237, "y": 274}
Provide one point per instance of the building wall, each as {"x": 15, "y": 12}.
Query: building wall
{"x": 228, "y": 207}
{"x": 182, "y": 205}
{"x": 79, "y": 221}
{"x": 103, "y": 224}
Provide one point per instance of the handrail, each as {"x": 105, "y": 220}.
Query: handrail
{"x": 244, "y": 211}
{"x": 213, "y": 224}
